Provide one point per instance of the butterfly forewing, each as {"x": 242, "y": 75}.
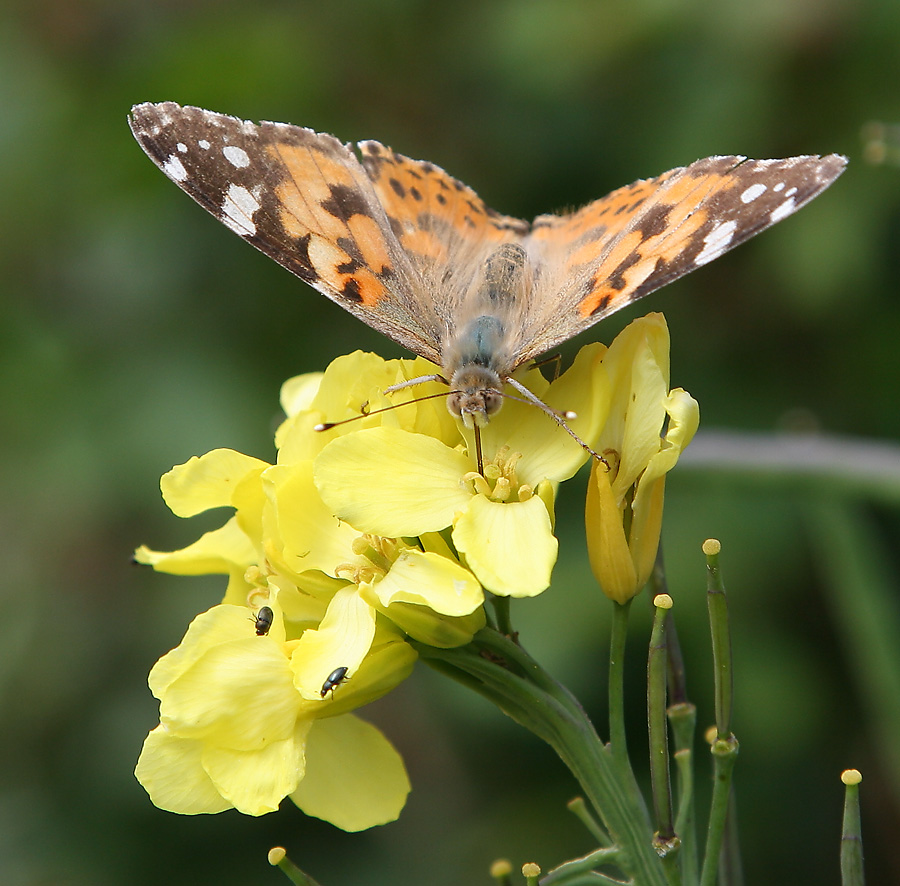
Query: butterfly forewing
{"x": 302, "y": 198}
{"x": 640, "y": 237}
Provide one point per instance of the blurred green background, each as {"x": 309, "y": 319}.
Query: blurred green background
{"x": 135, "y": 331}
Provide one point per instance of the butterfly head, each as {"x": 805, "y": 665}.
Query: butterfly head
{"x": 475, "y": 394}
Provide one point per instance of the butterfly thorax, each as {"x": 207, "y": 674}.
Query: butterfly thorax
{"x": 479, "y": 353}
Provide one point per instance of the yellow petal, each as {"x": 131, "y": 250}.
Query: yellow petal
{"x": 311, "y": 536}
{"x": 208, "y": 481}
{"x": 343, "y": 639}
{"x": 297, "y": 393}
{"x": 171, "y": 772}
{"x": 647, "y": 506}
{"x": 509, "y": 546}
{"x": 255, "y": 782}
{"x": 238, "y": 695}
{"x": 221, "y": 624}
{"x": 548, "y": 451}
{"x": 608, "y": 549}
{"x": 392, "y": 483}
{"x": 388, "y": 664}
{"x": 430, "y": 580}
{"x": 355, "y": 779}
{"x": 223, "y": 551}
{"x": 646, "y": 526}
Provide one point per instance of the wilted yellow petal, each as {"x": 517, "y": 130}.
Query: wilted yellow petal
{"x": 509, "y": 546}
{"x": 355, "y": 779}
{"x": 608, "y": 550}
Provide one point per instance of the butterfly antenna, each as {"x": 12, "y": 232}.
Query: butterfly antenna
{"x": 366, "y": 412}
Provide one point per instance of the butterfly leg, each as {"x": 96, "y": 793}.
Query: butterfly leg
{"x": 557, "y": 416}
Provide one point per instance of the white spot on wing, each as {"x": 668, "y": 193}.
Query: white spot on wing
{"x": 716, "y": 242}
{"x": 182, "y": 148}
{"x": 238, "y": 208}
{"x": 753, "y": 192}
{"x": 174, "y": 168}
{"x": 778, "y": 187}
{"x": 783, "y": 211}
{"x": 790, "y": 192}
{"x": 203, "y": 144}
{"x": 236, "y": 156}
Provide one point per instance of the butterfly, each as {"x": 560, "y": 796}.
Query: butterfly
{"x": 417, "y": 254}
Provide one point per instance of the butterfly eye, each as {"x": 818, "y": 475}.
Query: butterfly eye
{"x": 493, "y": 400}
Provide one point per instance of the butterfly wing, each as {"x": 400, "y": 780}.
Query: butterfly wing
{"x": 303, "y": 199}
{"x": 640, "y": 237}
{"x": 446, "y": 230}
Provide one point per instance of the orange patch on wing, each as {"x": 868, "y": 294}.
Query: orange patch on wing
{"x": 606, "y": 295}
{"x": 325, "y": 258}
{"x": 370, "y": 241}
{"x": 371, "y": 290}
{"x": 299, "y": 215}
{"x": 424, "y": 243}
{"x": 314, "y": 168}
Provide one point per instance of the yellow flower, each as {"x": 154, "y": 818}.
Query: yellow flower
{"x": 247, "y": 719}
{"x": 647, "y": 428}
{"x": 394, "y": 482}
{"x": 235, "y": 732}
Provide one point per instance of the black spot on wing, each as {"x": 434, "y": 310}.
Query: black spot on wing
{"x": 655, "y": 221}
{"x": 617, "y": 279}
{"x": 344, "y": 202}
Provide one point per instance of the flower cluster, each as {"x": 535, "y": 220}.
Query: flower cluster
{"x": 373, "y": 534}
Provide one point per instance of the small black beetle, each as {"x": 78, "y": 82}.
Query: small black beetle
{"x": 263, "y": 621}
{"x": 333, "y": 680}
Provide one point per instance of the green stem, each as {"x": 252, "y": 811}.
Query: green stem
{"x": 682, "y": 716}
{"x": 851, "y": 836}
{"x": 721, "y": 639}
{"x": 656, "y": 725}
{"x": 724, "y": 751}
{"x": 505, "y": 674}
{"x": 731, "y": 872}
{"x": 580, "y": 810}
{"x": 290, "y": 870}
{"x": 683, "y": 720}
{"x": 616, "y": 689}
{"x": 501, "y": 611}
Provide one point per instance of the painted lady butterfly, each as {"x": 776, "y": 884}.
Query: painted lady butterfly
{"x": 417, "y": 255}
